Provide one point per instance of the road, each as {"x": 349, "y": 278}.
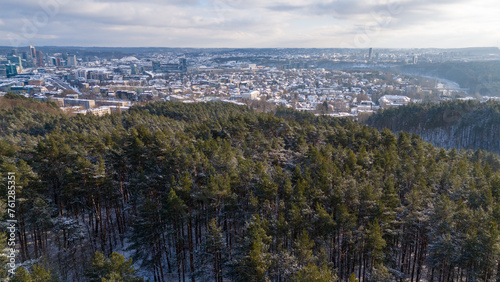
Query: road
{"x": 62, "y": 84}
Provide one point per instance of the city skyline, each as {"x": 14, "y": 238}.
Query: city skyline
{"x": 259, "y": 24}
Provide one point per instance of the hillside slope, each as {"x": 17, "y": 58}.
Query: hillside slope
{"x": 467, "y": 125}
{"x": 482, "y": 77}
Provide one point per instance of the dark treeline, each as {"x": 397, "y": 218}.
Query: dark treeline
{"x": 455, "y": 124}
{"x": 482, "y": 77}
{"x": 218, "y": 192}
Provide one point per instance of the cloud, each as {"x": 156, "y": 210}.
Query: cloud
{"x": 364, "y": 10}
{"x": 258, "y": 23}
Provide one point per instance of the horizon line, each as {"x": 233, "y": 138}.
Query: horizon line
{"x": 353, "y": 48}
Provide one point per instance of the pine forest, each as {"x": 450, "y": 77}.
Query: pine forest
{"x": 219, "y": 192}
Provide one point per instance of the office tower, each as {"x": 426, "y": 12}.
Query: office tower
{"x": 71, "y": 60}
{"x": 33, "y": 52}
{"x": 415, "y": 59}
{"x": 133, "y": 69}
{"x": 370, "y": 54}
{"x": 58, "y": 62}
{"x": 10, "y": 70}
{"x": 183, "y": 65}
{"x": 15, "y": 60}
{"x": 156, "y": 66}
{"x": 39, "y": 59}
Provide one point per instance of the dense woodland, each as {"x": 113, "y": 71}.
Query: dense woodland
{"x": 482, "y": 77}
{"x": 454, "y": 124}
{"x": 218, "y": 192}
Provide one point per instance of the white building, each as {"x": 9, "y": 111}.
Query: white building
{"x": 96, "y": 111}
{"x": 387, "y": 101}
{"x": 250, "y": 95}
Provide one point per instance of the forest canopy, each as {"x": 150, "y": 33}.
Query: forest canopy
{"x": 481, "y": 77}
{"x": 217, "y": 192}
{"x": 452, "y": 124}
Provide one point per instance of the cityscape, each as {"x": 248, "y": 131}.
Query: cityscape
{"x": 336, "y": 82}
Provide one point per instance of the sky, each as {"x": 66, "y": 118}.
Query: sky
{"x": 251, "y": 23}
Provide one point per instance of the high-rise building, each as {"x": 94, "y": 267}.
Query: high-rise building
{"x": 58, "y": 62}
{"x": 15, "y": 60}
{"x": 81, "y": 73}
{"x": 39, "y": 59}
{"x": 33, "y": 52}
{"x": 156, "y": 66}
{"x": 370, "y": 54}
{"x": 133, "y": 69}
{"x": 11, "y": 70}
{"x": 183, "y": 65}
{"x": 71, "y": 61}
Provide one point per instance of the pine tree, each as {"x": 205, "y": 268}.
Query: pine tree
{"x": 3, "y": 256}
{"x": 352, "y": 278}
{"x": 40, "y": 274}
{"x": 114, "y": 268}
{"x": 304, "y": 248}
{"x": 375, "y": 243}
{"x": 256, "y": 260}
{"x": 21, "y": 275}
{"x": 213, "y": 253}
{"x": 312, "y": 272}
{"x": 146, "y": 238}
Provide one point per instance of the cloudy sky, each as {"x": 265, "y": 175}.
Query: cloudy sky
{"x": 251, "y": 23}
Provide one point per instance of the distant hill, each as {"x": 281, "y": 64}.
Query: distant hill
{"x": 467, "y": 124}
{"x": 479, "y": 77}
